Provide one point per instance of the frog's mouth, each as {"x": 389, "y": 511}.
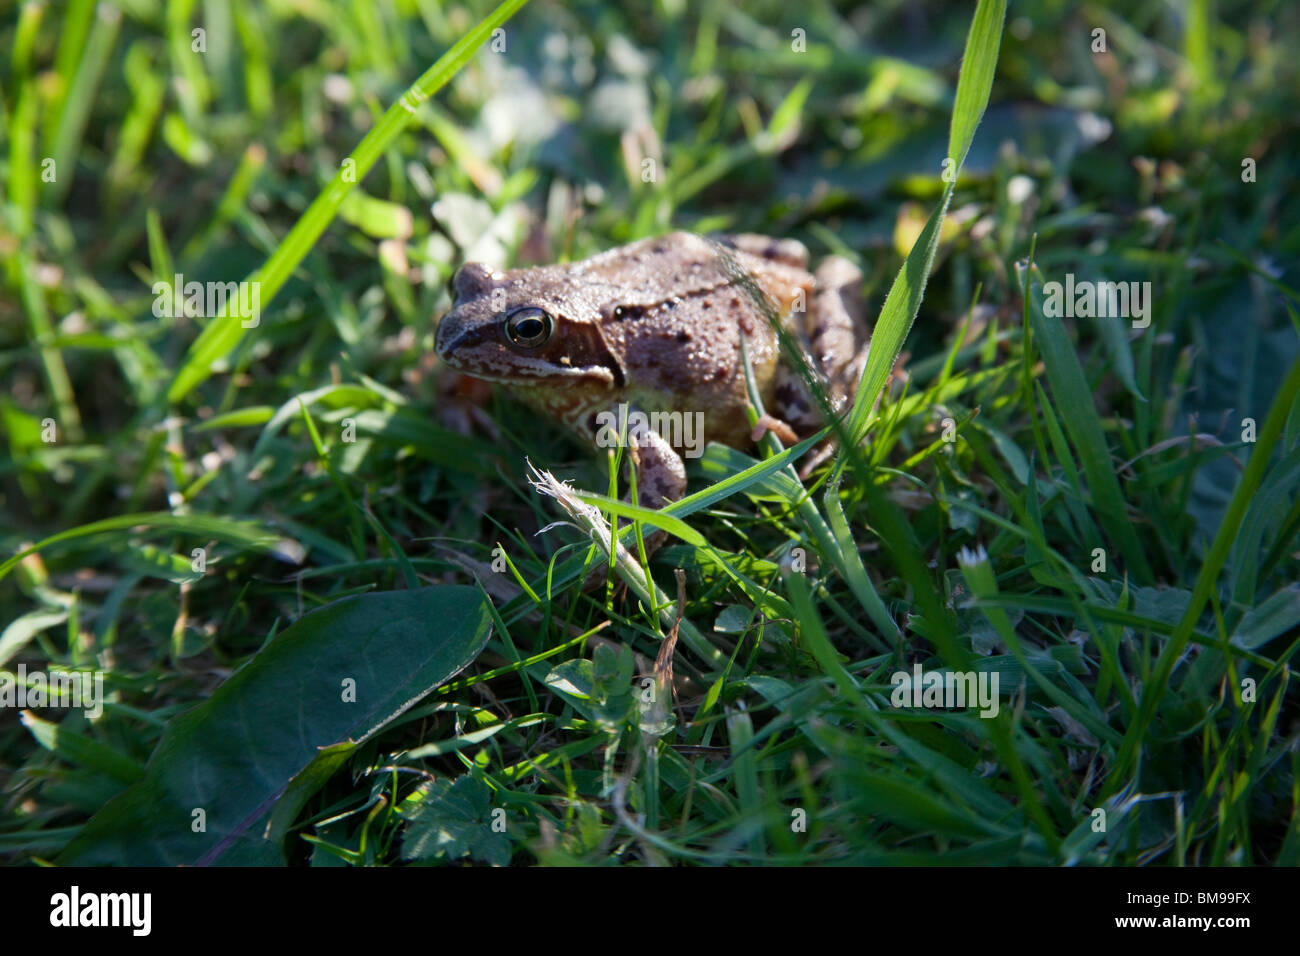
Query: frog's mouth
{"x": 524, "y": 375}
{"x": 494, "y": 363}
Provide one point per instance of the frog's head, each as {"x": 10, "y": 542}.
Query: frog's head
{"x": 524, "y": 327}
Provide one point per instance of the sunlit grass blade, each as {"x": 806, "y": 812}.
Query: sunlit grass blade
{"x": 976, "y": 80}
{"x": 225, "y": 331}
{"x": 904, "y": 300}
{"x": 243, "y": 533}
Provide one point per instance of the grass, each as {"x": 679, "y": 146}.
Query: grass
{"x": 309, "y": 570}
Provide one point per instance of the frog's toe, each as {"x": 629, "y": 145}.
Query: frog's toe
{"x": 766, "y": 423}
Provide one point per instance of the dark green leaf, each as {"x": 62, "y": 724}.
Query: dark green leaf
{"x": 234, "y": 755}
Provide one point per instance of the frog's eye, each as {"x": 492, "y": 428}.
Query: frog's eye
{"x": 529, "y": 327}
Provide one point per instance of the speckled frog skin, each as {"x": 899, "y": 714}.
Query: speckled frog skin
{"x": 658, "y": 325}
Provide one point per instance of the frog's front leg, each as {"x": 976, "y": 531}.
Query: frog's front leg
{"x": 660, "y": 471}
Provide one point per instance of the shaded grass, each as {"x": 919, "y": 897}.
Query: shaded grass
{"x": 1125, "y": 681}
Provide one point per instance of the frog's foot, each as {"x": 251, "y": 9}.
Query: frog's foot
{"x": 766, "y": 423}
{"x": 460, "y": 404}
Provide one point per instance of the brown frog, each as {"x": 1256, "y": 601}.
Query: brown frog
{"x": 656, "y": 327}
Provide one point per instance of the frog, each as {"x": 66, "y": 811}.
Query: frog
{"x": 658, "y": 326}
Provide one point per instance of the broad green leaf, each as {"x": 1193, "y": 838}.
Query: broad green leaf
{"x": 234, "y": 755}
{"x": 1277, "y": 615}
{"x": 453, "y": 820}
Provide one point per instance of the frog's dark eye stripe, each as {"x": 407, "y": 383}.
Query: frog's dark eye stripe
{"x": 528, "y": 327}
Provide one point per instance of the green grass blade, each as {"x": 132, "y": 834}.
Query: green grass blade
{"x": 976, "y": 80}
{"x": 904, "y": 300}
{"x": 1156, "y": 685}
{"x": 896, "y": 317}
{"x": 1078, "y": 412}
{"x": 224, "y": 332}
{"x": 243, "y": 533}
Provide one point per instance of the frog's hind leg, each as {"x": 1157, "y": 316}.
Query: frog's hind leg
{"x": 836, "y": 327}
{"x": 789, "y": 252}
{"x": 794, "y": 412}
{"x": 833, "y": 326}
{"x": 799, "y": 416}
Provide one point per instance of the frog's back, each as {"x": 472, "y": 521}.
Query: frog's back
{"x": 680, "y": 307}
{"x": 683, "y": 266}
